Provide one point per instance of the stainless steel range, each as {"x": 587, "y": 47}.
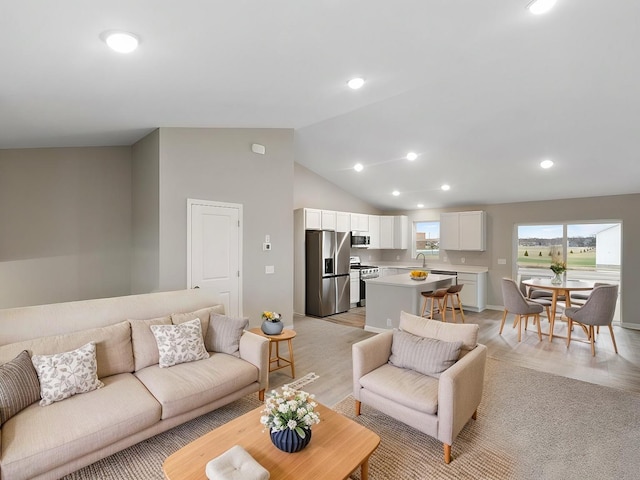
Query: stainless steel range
{"x": 365, "y": 272}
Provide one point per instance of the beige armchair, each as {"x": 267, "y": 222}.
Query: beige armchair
{"x": 439, "y": 405}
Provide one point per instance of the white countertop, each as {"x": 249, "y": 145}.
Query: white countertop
{"x": 431, "y": 266}
{"x": 403, "y": 280}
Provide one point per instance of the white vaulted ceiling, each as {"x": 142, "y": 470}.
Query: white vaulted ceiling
{"x": 481, "y": 90}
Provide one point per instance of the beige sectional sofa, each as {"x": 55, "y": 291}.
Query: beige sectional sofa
{"x": 139, "y": 399}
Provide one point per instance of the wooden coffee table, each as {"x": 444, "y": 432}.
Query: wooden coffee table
{"x": 338, "y": 446}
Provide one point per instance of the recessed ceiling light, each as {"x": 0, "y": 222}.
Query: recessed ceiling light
{"x": 358, "y": 167}
{"x": 538, "y": 7}
{"x": 445, "y": 187}
{"x": 546, "y": 163}
{"x": 356, "y": 83}
{"x": 411, "y": 156}
{"x": 395, "y": 193}
{"x": 121, "y": 42}
{"x": 420, "y": 205}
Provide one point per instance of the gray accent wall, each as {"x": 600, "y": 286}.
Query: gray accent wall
{"x": 145, "y": 177}
{"x": 65, "y": 224}
{"x": 218, "y": 165}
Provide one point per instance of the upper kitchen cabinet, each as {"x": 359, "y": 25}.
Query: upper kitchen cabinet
{"x": 343, "y": 222}
{"x": 463, "y": 231}
{"x": 315, "y": 219}
{"x": 374, "y": 231}
{"x": 360, "y": 222}
{"x": 394, "y": 232}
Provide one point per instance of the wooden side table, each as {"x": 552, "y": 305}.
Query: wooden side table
{"x": 280, "y": 362}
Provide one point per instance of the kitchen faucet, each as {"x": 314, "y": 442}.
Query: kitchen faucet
{"x": 424, "y": 259}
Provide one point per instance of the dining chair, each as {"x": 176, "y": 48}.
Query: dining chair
{"x": 597, "y": 311}
{"x": 516, "y": 303}
{"x": 452, "y": 301}
{"x": 579, "y": 298}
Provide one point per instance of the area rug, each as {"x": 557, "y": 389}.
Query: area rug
{"x": 531, "y": 425}
{"x": 306, "y": 380}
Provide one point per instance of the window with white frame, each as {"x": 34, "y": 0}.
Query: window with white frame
{"x": 426, "y": 238}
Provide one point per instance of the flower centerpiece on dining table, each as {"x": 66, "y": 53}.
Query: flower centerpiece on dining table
{"x": 289, "y": 415}
{"x": 558, "y": 267}
{"x": 271, "y": 323}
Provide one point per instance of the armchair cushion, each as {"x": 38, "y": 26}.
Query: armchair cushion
{"x": 403, "y": 386}
{"x": 428, "y": 356}
{"x": 448, "y": 332}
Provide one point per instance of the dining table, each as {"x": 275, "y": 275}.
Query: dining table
{"x": 558, "y": 289}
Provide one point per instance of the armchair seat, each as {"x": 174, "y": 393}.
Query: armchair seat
{"x": 403, "y": 386}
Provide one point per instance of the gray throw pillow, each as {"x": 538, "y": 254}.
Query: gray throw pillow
{"x": 19, "y": 386}
{"x": 422, "y": 354}
{"x": 224, "y": 334}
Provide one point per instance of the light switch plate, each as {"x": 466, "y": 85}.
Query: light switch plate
{"x": 269, "y": 269}
{"x": 266, "y": 247}
{"x": 502, "y": 261}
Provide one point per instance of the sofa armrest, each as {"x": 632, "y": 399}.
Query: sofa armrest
{"x": 255, "y": 350}
{"x": 368, "y": 355}
{"x": 459, "y": 393}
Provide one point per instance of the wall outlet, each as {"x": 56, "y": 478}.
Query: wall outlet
{"x": 269, "y": 269}
{"x": 502, "y": 261}
{"x": 462, "y": 259}
{"x": 389, "y": 324}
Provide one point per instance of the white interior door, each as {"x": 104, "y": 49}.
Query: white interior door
{"x": 214, "y": 251}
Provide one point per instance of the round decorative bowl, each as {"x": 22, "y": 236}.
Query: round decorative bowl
{"x": 418, "y": 275}
{"x": 272, "y": 328}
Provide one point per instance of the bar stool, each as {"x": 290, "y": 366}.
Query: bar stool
{"x": 439, "y": 296}
{"x": 453, "y": 293}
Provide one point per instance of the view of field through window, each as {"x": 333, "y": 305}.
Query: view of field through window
{"x": 583, "y": 246}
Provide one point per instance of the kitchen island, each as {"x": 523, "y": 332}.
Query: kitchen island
{"x": 387, "y": 296}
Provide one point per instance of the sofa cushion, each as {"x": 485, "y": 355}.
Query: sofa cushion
{"x": 179, "y": 343}
{"x": 113, "y": 347}
{"x": 406, "y": 387}
{"x": 203, "y": 314}
{"x": 224, "y": 334}
{"x": 19, "y": 386}
{"x": 187, "y": 386}
{"x": 448, "y": 332}
{"x": 145, "y": 348}
{"x": 63, "y": 375}
{"x": 121, "y": 408}
{"x": 422, "y": 354}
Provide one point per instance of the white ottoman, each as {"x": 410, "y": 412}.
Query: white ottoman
{"x": 236, "y": 464}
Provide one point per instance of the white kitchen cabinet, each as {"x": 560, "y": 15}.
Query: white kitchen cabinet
{"x": 386, "y": 271}
{"x": 386, "y": 232}
{"x": 474, "y": 293}
{"x": 360, "y": 222}
{"x": 394, "y": 232}
{"x": 463, "y": 231}
{"x": 354, "y": 286}
{"x": 312, "y": 219}
{"x": 328, "y": 220}
{"x": 374, "y": 231}
{"x": 343, "y": 222}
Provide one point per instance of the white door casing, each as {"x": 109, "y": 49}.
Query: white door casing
{"x": 214, "y": 251}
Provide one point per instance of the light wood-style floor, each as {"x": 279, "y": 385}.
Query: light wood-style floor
{"x": 323, "y": 346}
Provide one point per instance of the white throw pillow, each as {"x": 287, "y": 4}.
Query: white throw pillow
{"x": 179, "y": 343}
{"x": 63, "y": 375}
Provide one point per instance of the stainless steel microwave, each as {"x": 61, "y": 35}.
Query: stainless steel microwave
{"x": 360, "y": 241}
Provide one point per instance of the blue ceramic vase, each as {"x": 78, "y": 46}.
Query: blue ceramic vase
{"x": 289, "y": 441}
{"x": 272, "y": 328}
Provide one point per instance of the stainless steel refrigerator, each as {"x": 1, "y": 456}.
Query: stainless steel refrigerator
{"x": 327, "y": 272}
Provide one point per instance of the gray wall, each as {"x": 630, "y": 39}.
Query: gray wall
{"x": 218, "y": 165}
{"x": 65, "y": 224}
{"x": 145, "y": 177}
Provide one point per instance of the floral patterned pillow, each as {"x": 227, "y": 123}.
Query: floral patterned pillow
{"x": 65, "y": 374}
{"x": 179, "y": 343}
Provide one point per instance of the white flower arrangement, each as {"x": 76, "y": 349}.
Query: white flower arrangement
{"x": 292, "y": 409}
